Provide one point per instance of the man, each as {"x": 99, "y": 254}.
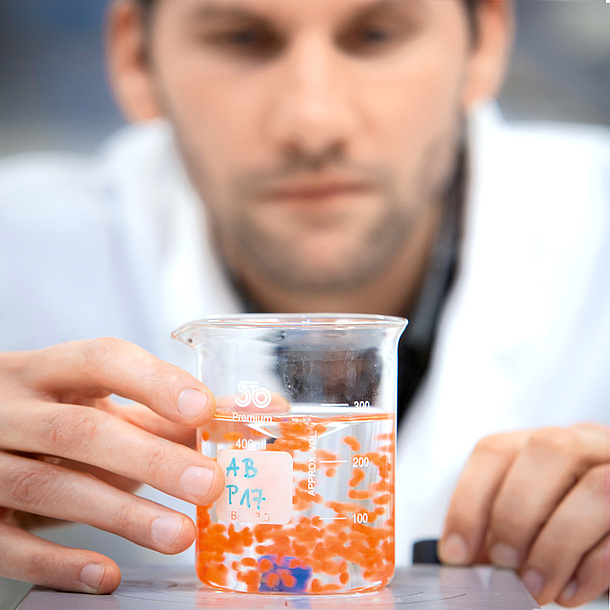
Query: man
{"x": 329, "y": 142}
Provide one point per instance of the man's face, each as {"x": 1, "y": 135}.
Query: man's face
{"x": 318, "y": 132}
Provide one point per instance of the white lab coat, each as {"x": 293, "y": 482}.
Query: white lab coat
{"x": 117, "y": 245}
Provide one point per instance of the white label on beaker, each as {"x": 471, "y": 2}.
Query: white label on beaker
{"x": 258, "y": 487}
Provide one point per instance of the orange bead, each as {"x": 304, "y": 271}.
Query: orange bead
{"x": 316, "y": 586}
{"x": 324, "y": 455}
{"x": 289, "y": 580}
{"x": 252, "y": 580}
{"x": 299, "y": 548}
{"x": 357, "y": 494}
{"x": 320, "y": 552}
{"x": 379, "y": 486}
{"x": 282, "y": 539}
{"x": 357, "y": 476}
{"x": 384, "y": 499}
{"x": 311, "y": 535}
{"x": 273, "y": 580}
{"x": 352, "y": 442}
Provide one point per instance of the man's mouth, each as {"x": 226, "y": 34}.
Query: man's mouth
{"x": 316, "y": 190}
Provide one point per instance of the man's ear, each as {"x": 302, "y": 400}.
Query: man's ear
{"x": 128, "y": 64}
{"x": 492, "y": 43}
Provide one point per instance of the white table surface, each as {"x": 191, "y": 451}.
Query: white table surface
{"x": 430, "y": 586}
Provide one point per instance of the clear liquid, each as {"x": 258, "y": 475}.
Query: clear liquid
{"x": 341, "y": 534}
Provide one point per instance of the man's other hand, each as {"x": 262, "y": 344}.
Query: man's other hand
{"x": 537, "y": 501}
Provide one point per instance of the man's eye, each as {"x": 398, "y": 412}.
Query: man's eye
{"x": 244, "y": 38}
{"x": 376, "y": 35}
{"x": 374, "y": 38}
{"x": 257, "y": 43}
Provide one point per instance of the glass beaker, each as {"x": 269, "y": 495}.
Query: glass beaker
{"x": 305, "y": 433}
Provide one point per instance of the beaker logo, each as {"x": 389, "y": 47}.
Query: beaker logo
{"x": 251, "y": 394}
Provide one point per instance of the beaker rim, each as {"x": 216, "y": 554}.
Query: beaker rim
{"x": 295, "y": 321}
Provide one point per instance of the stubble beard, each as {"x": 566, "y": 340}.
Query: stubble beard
{"x": 302, "y": 256}
{"x": 315, "y": 257}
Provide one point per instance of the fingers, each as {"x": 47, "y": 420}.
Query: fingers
{"x": 550, "y": 463}
{"x": 148, "y": 420}
{"x": 534, "y": 501}
{"x": 61, "y": 493}
{"x": 509, "y": 488}
{"x": 591, "y": 579}
{"x": 43, "y": 413}
{"x": 99, "y": 439}
{"x": 93, "y": 369}
{"x": 28, "y": 558}
{"x": 575, "y": 527}
{"x": 471, "y": 505}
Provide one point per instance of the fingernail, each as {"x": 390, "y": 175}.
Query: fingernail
{"x": 534, "y": 581}
{"x": 191, "y": 403}
{"x": 196, "y": 482}
{"x": 454, "y": 549}
{"x": 569, "y": 592}
{"x": 503, "y": 555}
{"x": 91, "y": 576}
{"x": 165, "y": 530}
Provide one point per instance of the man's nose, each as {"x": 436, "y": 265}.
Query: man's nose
{"x": 311, "y": 110}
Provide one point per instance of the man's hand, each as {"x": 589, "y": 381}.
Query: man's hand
{"x": 539, "y": 502}
{"x": 67, "y": 451}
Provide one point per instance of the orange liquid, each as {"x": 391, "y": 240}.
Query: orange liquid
{"x": 341, "y": 534}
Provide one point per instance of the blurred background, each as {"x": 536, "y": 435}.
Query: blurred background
{"x": 54, "y": 93}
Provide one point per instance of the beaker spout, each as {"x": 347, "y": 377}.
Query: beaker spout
{"x": 187, "y": 334}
